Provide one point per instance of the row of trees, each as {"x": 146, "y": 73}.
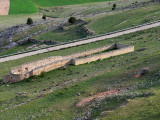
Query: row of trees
{"x": 114, "y": 6}
{"x": 30, "y": 21}
{"x": 71, "y": 20}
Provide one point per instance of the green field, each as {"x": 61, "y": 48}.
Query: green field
{"x": 22, "y": 7}
{"x": 30, "y": 6}
{"x": 87, "y": 8}
{"x": 49, "y": 3}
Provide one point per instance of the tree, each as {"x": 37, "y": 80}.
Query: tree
{"x": 44, "y": 17}
{"x": 72, "y": 20}
{"x": 114, "y": 6}
{"x": 29, "y": 21}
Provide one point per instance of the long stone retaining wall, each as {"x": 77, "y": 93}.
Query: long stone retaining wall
{"x": 45, "y": 65}
{"x": 122, "y": 49}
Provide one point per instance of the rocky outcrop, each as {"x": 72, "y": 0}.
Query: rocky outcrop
{"x": 42, "y": 41}
{"x": 88, "y": 30}
{"x": 7, "y": 35}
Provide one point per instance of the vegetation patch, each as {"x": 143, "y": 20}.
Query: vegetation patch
{"x": 49, "y": 3}
{"x": 126, "y": 19}
{"x": 22, "y": 7}
{"x": 64, "y": 34}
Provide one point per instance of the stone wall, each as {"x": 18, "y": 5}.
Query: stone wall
{"x": 45, "y": 65}
{"x": 4, "y": 7}
{"x": 121, "y": 49}
{"x": 90, "y": 52}
{"x": 29, "y": 69}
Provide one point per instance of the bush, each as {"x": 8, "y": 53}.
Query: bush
{"x": 114, "y": 6}
{"x": 44, "y": 17}
{"x": 72, "y": 20}
{"x": 29, "y": 21}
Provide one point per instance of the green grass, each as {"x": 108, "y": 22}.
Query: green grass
{"x": 115, "y": 72}
{"x": 71, "y": 33}
{"x": 121, "y": 20}
{"x": 12, "y": 20}
{"x": 107, "y": 23}
{"x": 16, "y": 49}
{"x": 94, "y": 77}
{"x": 30, "y": 6}
{"x": 87, "y": 8}
{"x": 49, "y": 3}
{"x": 22, "y": 7}
{"x": 139, "y": 109}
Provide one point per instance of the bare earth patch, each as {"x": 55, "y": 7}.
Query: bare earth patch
{"x": 101, "y": 95}
{"x": 4, "y": 7}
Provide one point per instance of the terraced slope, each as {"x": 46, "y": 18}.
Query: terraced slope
{"x": 22, "y": 7}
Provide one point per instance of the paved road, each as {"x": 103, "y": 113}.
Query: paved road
{"x": 14, "y": 57}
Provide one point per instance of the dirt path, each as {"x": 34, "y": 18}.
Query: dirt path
{"x": 4, "y": 7}
{"x": 102, "y": 95}
{"x": 14, "y": 57}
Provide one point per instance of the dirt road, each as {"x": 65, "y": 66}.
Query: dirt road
{"x": 4, "y": 7}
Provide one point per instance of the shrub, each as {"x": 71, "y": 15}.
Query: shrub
{"x": 114, "y": 6}
{"x": 44, "y": 17}
{"x": 29, "y": 21}
{"x": 72, "y": 20}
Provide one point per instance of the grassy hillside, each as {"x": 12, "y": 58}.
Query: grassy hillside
{"x": 122, "y": 20}
{"x": 49, "y": 3}
{"x": 71, "y": 33}
{"x": 116, "y": 72}
{"x": 22, "y": 7}
{"x": 11, "y": 20}
{"x": 108, "y": 23}
{"x": 54, "y": 95}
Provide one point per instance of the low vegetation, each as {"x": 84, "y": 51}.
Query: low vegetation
{"x": 72, "y": 20}
{"x": 22, "y": 7}
{"x": 93, "y": 78}
{"x": 44, "y": 17}
{"x": 64, "y": 34}
{"x": 122, "y": 20}
{"x": 55, "y": 94}
{"x": 48, "y": 3}
{"x": 29, "y": 21}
